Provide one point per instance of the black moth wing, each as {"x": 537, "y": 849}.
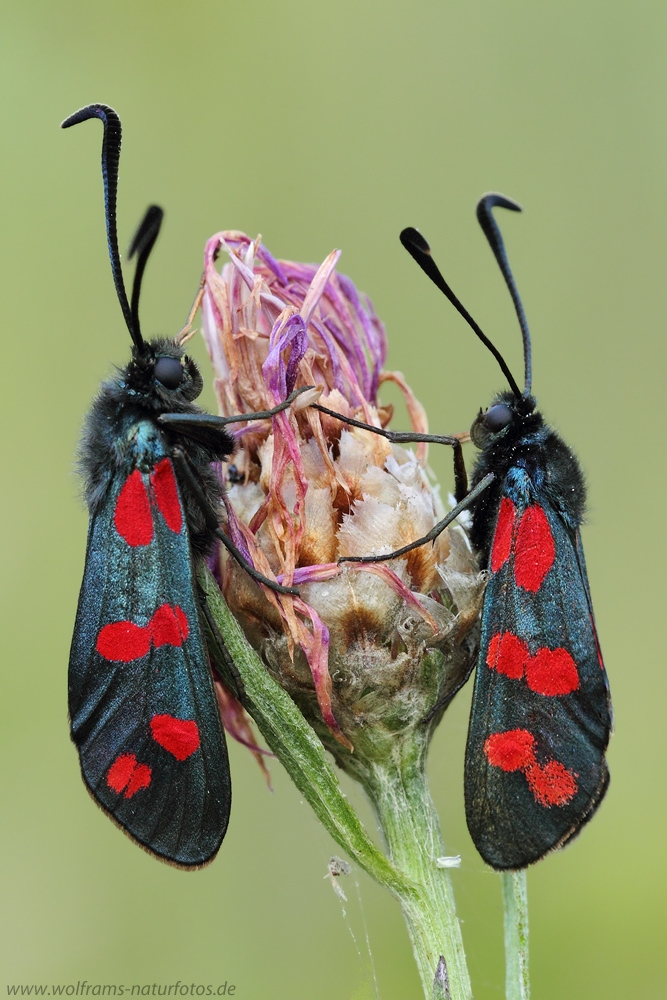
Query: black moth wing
{"x": 535, "y": 769}
{"x": 143, "y": 710}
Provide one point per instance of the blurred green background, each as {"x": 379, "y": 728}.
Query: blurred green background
{"x": 320, "y": 126}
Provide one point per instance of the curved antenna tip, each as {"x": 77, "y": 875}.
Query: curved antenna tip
{"x": 411, "y": 239}
{"x": 89, "y": 111}
{"x": 493, "y": 199}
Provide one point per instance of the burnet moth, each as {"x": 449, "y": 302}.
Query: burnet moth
{"x": 143, "y": 710}
{"x": 535, "y": 769}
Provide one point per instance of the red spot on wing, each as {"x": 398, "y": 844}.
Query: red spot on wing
{"x": 141, "y": 778}
{"x": 535, "y": 550}
{"x": 120, "y": 771}
{"x": 508, "y": 655}
{"x": 551, "y": 783}
{"x": 169, "y": 626}
{"x": 128, "y": 776}
{"x": 552, "y": 672}
{"x": 132, "y": 517}
{"x": 126, "y": 641}
{"x": 180, "y": 737}
{"x": 166, "y": 496}
{"x": 123, "y": 641}
{"x": 502, "y": 539}
{"x": 512, "y": 750}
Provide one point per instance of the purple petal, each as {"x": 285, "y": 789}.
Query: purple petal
{"x": 280, "y": 379}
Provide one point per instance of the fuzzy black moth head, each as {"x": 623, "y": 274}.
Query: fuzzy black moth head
{"x": 161, "y": 377}
{"x": 507, "y": 417}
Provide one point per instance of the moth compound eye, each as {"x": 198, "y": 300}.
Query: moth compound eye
{"x": 497, "y": 417}
{"x": 169, "y": 372}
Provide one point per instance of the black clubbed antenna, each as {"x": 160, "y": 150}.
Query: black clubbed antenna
{"x": 142, "y": 243}
{"x": 490, "y": 228}
{"x": 110, "y": 161}
{"x": 419, "y": 250}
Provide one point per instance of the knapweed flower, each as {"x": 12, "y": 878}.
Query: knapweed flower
{"x": 368, "y": 651}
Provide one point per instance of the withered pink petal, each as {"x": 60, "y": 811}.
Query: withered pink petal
{"x": 318, "y": 284}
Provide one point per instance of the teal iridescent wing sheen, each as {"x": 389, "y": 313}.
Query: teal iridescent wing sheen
{"x": 143, "y": 710}
{"x": 541, "y": 714}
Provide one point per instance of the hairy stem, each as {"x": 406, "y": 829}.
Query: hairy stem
{"x": 515, "y": 905}
{"x": 400, "y": 795}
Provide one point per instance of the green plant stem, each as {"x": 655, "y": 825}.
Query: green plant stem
{"x": 515, "y": 906}
{"x": 410, "y": 824}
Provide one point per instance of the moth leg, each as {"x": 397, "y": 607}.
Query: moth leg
{"x": 189, "y": 423}
{"x": 434, "y": 532}
{"x": 412, "y": 437}
{"x": 190, "y": 475}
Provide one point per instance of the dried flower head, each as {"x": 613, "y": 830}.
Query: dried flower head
{"x": 368, "y": 650}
